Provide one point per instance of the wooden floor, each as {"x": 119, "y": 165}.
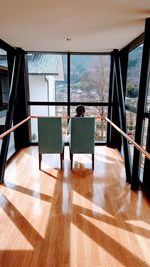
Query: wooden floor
{"x": 54, "y": 218}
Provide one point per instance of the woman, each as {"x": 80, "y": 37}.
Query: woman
{"x": 80, "y": 111}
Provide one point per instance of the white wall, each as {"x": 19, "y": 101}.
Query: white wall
{"x": 42, "y": 88}
{"x": 38, "y": 88}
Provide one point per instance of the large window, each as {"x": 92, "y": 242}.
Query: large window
{"x": 89, "y": 78}
{"x": 47, "y": 77}
{"x": 4, "y": 99}
{"x": 132, "y": 92}
{"x": 133, "y": 76}
{"x": 48, "y": 83}
{"x": 131, "y": 100}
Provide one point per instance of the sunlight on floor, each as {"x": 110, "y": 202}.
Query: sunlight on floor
{"x": 84, "y": 203}
{"x": 19, "y": 209}
{"x": 68, "y": 218}
{"x": 95, "y": 255}
{"x": 106, "y": 231}
{"x": 104, "y": 159}
{"x": 6, "y": 241}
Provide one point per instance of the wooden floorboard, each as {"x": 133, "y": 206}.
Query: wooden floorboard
{"x": 78, "y": 218}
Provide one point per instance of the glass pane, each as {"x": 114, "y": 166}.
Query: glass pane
{"x": 47, "y": 77}
{"x": 4, "y": 99}
{"x": 58, "y": 111}
{"x": 133, "y": 76}
{"x": 3, "y": 59}
{"x": 2, "y": 123}
{"x": 148, "y": 100}
{"x": 100, "y": 125}
{"x": 4, "y": 80}
{"x": 89, "y": 78}
{"x": 131, "y": 126}
{"x": 4, "y": 87}
{"x": 11, "y": 149}
{"x": 144, "y": 137}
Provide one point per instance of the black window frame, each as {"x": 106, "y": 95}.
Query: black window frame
{"x": 70, "y": 103}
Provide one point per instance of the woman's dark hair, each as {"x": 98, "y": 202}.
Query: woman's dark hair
{"x": 80, "y": 110}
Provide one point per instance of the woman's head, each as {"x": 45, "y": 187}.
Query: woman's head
{"x": 80, "y": 110}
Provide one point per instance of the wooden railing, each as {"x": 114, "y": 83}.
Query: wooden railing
{"x": 14, "y": 127}
{"x": 142, "y": 150}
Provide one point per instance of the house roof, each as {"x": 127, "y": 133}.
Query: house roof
{"x": 50, "y": 64}
{"x": 41, "y": 64}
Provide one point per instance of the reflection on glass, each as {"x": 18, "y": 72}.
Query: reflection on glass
{"x": 89, "y": 78}
{"x": 3, "y": 59}
{"x": 4, "y": 99}
{"x": 2, "y": 123}
{"x": 58, "y": 111}
{"x": 133, "y": 76}
{"x": 4, "y": 89}
{"x": 148, "y": 99}
{"x": 131, "y": 126}
{"x": 100, "y": 125}
{"x": 144, "y": 137}
{"x": 47, "y": 77}
{"x": 4, "y": 80}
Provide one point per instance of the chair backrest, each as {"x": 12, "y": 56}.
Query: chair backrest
{"x": 82, "y": 135}
{"x": 50, "y": 135}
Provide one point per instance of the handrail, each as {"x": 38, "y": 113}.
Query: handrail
{"x": 14, "y": 127}
{"x": 25, "y": 120}
{"x": 36, "y": 117}
{"x": 102, "y": 117}
{"x": 129, "y": 139}
{"x": 67, "y": 117}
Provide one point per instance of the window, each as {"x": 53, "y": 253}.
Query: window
{"x": 133, "y": 76}
{"x": 4, "y": 89}
{"x": 100, "y": 125}
{"x": 4, "y": 80}
{"x": 131, "y": 126}
{"x": 89, "y": 78}
{"x": 4, "y": 99}
{"x": 47, "y": 77}
{"x": 144, "y": 138}
{"x": 60, "y": 111}
{"x": 48, "y": 83}
{"x": 148, "y": 100}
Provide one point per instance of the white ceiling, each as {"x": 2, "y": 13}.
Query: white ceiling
{"x": 93, "y": 25}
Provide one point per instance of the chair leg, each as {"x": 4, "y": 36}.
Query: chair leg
{"x": 40, "y": 159}
{"x": 63, "y": 152}
{"x": 61, "y": 160}
{"x": 93, "y": 161}
{"x": 71, "y": 158}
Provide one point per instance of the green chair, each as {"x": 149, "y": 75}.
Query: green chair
{"x": 50, "y": 138}
{"x": 82, "y": 137}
